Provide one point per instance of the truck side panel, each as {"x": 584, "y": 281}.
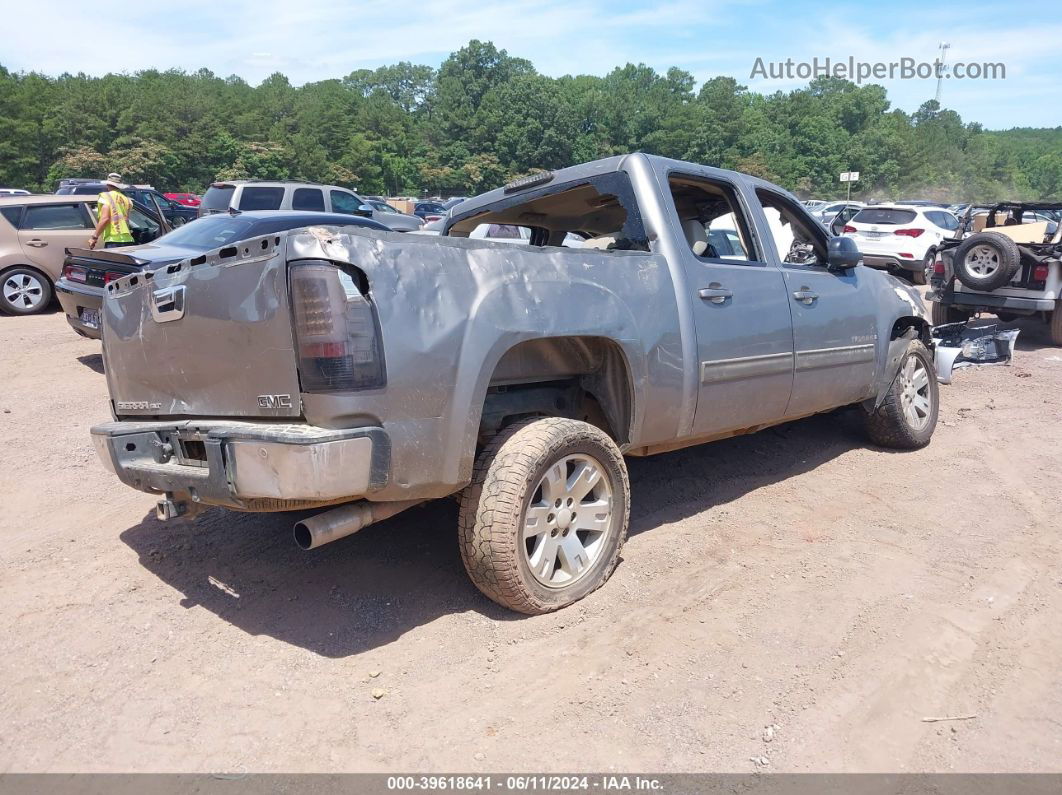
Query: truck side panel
{"x": 450, "y": 308}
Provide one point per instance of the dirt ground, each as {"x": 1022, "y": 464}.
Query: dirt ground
{"x": 789, "y": 601}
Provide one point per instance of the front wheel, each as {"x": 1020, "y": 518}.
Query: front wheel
{"x": 907, "y": 416}
{"x": 544, "y": 518}
{"x": 24, "y": 291}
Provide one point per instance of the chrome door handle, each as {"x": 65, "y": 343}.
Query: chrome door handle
{"x": 805, "y": 295}
{"x": 716, "y": 293}
{"x": 36, "y": 243}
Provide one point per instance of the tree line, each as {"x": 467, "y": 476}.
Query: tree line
{"x": 484, "y": 117}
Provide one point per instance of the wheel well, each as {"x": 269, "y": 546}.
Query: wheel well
{"x": 33, "y": 268}
{"x": 901, "y": 327}
{"x": 584, "y": 378}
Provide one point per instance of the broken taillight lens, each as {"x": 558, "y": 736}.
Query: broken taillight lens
{"x": 335, "y": 330}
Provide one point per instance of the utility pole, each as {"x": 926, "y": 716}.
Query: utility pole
{"x": 944, "y": 47}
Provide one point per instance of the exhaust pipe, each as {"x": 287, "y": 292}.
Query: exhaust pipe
{"x": 345, "y": 520}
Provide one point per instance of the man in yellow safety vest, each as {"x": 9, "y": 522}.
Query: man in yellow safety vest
{"x": 112, "y": 213}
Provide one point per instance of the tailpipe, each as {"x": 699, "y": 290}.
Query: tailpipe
{"x": 345, "y": 520}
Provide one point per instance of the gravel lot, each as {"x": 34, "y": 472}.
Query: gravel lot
{"x": 789, "y": 601}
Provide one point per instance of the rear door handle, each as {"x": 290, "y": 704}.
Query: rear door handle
{"x": 36, "y": 243}
{"x": 805, "y": 295}
{"x": 716, "y": 293}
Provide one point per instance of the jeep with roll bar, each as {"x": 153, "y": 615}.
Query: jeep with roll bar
{"x": 365, "y": 372}
{"x": 1007, "y": 260}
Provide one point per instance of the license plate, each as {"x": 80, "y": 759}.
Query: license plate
{"x": 91, "y": 317}
{"x": 874, "y": 234}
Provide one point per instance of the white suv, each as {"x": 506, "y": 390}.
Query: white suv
{"x": 901, "y": 237}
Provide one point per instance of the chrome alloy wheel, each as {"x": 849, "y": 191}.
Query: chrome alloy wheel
{"x": 915, "y": 395}
{"x": 982, "y": 261}
{"x": 23, "y": 291}
{"x": 568, "y": 521}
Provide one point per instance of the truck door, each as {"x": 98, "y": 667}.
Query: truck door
{"x": 741, "y": 309}
{"x": 834, "y": 317}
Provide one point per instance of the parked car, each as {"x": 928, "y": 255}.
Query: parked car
{"x": 257, "y": 194}
{"x": 86, "y": 272}
{"x": 174, "y": 213}
{"x": 186, "y": 199}
{"x": 393, "y": 219}
{"x": 430, "y": 210}
{"x": 36, "y": 230}
{"x": 814, "y": 205}
{"x": 918, "y": 203}
{"x": 1007, "y": 261}
{"x": 309, "y": 370}
{"x": 13, "y": 192}
{"x": 901, "y": 237}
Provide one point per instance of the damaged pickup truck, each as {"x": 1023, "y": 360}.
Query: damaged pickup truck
{"x": 655, "y": 304}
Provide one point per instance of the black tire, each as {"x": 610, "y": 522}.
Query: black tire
{"x": 919, "y": 277}
{"x": 494, "y": 507}
{"x": 986, "y": 261}
{"x": 889, "y": 425}
{"x": 941, "y": 314}
{"x": 1056, "y": 324}
{"x": 24, "y": 291}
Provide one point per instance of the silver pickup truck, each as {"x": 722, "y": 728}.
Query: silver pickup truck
{"x": 644, "y": 305}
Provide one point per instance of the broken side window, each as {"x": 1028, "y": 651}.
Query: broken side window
{"x": 598, "y": 212}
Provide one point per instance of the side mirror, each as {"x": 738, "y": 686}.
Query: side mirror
{"x": 842, "y": 253}
{"x": 365, "y": 211}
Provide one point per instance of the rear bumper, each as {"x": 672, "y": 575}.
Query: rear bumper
{"x": 251, "y": 466}
{"x": 889, "y": 261}
{"x": 990, "y": 301}
{"x": 74, "y": 298}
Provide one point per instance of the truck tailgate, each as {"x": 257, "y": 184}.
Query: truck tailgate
{"x": 209, "y": 336}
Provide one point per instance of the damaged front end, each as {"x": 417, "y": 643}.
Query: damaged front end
{"x": 961, "y": 345}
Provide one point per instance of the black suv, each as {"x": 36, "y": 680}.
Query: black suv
{"x": 174, "y": 213}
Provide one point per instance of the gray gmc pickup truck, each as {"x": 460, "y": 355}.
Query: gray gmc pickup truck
{"x": 645, "y": 305}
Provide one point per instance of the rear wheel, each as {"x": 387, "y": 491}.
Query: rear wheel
{"x": 1056, "y": 324}
{"x": 24, "y": 291}
{"x": 941, "y": 314}
{"x": 905, "y": 420}
{"x": 544, "y": 518}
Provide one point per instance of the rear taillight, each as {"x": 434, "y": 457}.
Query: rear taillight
{"x": 938, "y": 268}
{"x": 909, "y": 232}
{"x": 335, "y": 330}
{"x": 110, "y": 276}
{"x": 848, "y": 229}
{"x": 74, "y": 273}
{"x": 1040, "y": 273}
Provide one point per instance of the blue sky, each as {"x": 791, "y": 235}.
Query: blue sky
{"x": 316, "y": 39}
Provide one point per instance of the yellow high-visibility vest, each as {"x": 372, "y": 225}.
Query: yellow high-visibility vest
{"x": 117, "y": 231}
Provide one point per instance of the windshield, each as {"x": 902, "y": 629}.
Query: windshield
{"x": 207, "y": 233}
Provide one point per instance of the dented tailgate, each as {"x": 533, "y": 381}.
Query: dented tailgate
{"x": 209, "y": 336}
